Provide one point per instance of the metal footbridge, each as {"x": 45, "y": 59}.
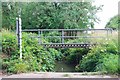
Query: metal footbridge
{"x": 69, "y": 38}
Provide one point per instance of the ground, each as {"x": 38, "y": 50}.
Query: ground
{"x": 57, "y": 75}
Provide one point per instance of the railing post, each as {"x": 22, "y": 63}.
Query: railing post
{"x": 111, "y": 31}
{"x": 62, "y": 36}
{"x": 107, "y": 34}
{"x": 41, "y": 36}
{"x": 39, "y": 40}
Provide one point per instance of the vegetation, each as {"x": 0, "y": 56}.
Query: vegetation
{"x": 50, "y": 15}
{"x": 43, "y": 15}
{"x": 114, "y": 22}
{"x": 35, "y": 57}
{"x": 101, "y": 58}
{"x": 74, "y": 55}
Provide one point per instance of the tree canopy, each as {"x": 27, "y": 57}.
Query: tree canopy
{"x": 50, "y": 15}
{"x": 114, "y": 22}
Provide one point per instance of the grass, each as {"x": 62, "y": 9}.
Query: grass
{"x": 66, "y": 75}
{"x": 93, "y": 73}
{"x": 113, "y": 35}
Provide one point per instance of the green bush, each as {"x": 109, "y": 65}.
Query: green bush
{"x": 9, "y": 43}
{"x": 100, "y": 58}
{"x": 20, "y": 67}
{"x": 55, "y": 39}
{"x": 35, "y": 57}
{"x": 89, "y": 62}
{"x": 108, "y": 64}
{"x": 74, "y": 55}
{"x": 17, "y": 66}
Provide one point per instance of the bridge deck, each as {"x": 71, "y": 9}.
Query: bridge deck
{"x": 73, "y": 45}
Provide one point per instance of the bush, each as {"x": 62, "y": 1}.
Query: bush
{"x": 99, "y": 58}
{"x": 108, "y": 64}
{"x": 74, "y": 55}
{"x": 17, "y": 66}
{"x": 89, "y": 62}
{"x": 9, "y": 43}
{"x": 35, "y": 57}
{"x": 55, "y": 39}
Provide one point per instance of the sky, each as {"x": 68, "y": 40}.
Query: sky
{"x": 110, "y": 9}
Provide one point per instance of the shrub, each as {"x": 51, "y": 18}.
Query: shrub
{"x": 9, "y": 43}
{"x": 20, "y": 67}
{"x": 108, "y": 64}
{"x": 99, "y": 58}
{"x": 89, "y": 62}
{"x": 55, "y": 39}
{"x": 17, "y": 66}
{"x": 74, "y": 55}
{"x": 35, "y": 57}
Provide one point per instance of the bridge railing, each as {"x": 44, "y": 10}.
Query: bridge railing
{"x": 63, "y": 36}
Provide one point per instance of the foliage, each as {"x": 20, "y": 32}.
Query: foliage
{"x": 74, "y": 55}
{"x": 9, "y": 13}
{"x": 89, "y": 62}
{"x": 16, "y": 66}
{"x": 50, "y": 14}
{"x": 99, "y": 59}
{"x": 114, "y": 22}
{"x": 108, "y": 64}
{"x": 9, "y": 46}
{"x": 53, "y": 40}
{"x": 0, "y": 63}
{"x": 35, "y": 57}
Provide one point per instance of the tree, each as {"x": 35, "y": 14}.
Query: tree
{"x": 113, "y": 23}
{"x": 9, "y": 15}
{"x": 51, "y": 15}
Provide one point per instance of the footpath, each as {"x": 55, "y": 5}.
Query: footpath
{"x": 57, "y": 75}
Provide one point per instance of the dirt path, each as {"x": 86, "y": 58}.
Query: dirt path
{"x": 58, "y": 75}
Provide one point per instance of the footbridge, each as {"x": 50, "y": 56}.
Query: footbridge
{"x": 69, "y": 38}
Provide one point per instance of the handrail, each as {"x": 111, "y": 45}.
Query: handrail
{"x": 62, "y": 35}
{"x": 63, "y": 29}
{"x": 69, "y": 37}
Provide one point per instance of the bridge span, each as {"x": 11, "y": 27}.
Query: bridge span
{"x": 70, "y": 38}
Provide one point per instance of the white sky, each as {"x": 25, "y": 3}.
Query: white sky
{"x": 110, "y": 9}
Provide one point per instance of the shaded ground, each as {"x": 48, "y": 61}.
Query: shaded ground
{"x": 58, "y": 75}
